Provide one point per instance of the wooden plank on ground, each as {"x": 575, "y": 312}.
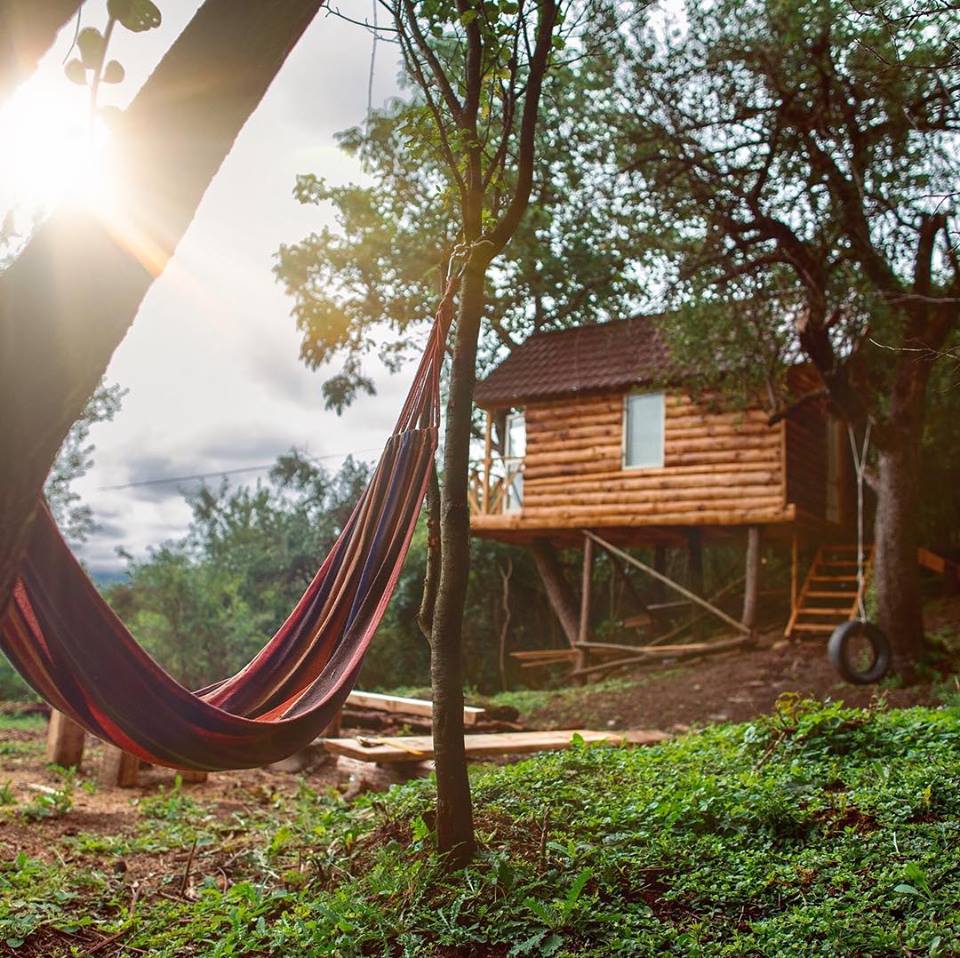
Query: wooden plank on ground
{"x": 396, "y": 703}
{"x": 419, "y": 748}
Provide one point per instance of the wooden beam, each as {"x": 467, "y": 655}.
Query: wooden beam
{"x": 487, "y": 461}
{"x": 586, "y": 582}
{"x": 397, "y": 704}
{"x": 693, "y": 650}
{"x": 719, "y": 613}
{"x": 65, "y": 741}
{"x": 794, "y": 571}
{"x": 419, "y": 748}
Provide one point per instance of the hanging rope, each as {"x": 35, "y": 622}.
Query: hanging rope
{"x": 860, "y": 466}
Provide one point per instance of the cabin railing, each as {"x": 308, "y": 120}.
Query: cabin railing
{"x": 496, "y": 486}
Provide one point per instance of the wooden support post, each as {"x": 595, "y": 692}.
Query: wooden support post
{"x": 751, "y": 587}
{"x": 333, "y": 729}
{"x": 660, "y": 564}
{"x": 583, "y": 632}
{"x": 487, "y": 463}
{"x": 192, "y": 776}
{"x": 686, "y": 593}
{"x": 119, "y": 768}
{"x": 695, "y": 572}
{"x": 794, "y": 572}
{"x": 64, "y": 741}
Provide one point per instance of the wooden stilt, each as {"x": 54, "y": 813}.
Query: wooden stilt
{"x": 660, "y": 564}
{"x": 192, "y": 776}
{"x": 794, "y": 574}
{"x": 65, "y": 741}
{"x": 751, "y": 587}
{"x": 487, "y": 463}
{"x": 119, "y": 768}
{"x": 583, "y": 633}
{"x": 695, "y": 572}
{"x": 686, "y": 593}
{"x": 333, "y": 729}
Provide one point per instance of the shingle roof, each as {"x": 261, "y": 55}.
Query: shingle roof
{"x": 583, "y": 359}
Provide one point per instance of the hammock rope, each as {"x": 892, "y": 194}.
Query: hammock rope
{"x": 68, "y": 644}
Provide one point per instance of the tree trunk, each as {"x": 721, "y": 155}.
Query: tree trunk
{"x": 896, "y": 574}
{"x": 70, "y": 297}
{"x": 27, "y": 30}
{"x": 557, "y": 588}
{"x": 455, "y": 838}
{"x": 751, "y": 586}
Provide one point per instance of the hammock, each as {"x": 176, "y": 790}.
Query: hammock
{"x": 73, "y": 650}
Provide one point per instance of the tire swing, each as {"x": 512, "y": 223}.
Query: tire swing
{"x": 845, "y": 647}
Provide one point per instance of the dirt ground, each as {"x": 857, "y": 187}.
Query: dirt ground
{"x": 732, "y": 687}
{"x": 727, "y": 688}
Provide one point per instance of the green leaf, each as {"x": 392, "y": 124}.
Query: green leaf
{"x": 76, "y": 72}
{"x": 468, "y": 16}
{"x": 113, "y": 72}
{"x": 135, "y": 15}
{"x": 905, "y": 889}
{"x": 92, "y": 46}
{"x": 576, "y": 889}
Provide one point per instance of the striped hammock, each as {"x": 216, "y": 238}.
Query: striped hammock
{"x": 73, "y": 650}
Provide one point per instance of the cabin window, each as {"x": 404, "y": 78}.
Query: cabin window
{"x": 515, "y": 448}
{"x": 643, "y": 430}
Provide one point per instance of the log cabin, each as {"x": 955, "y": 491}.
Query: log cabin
{"x": 596, "y": 430}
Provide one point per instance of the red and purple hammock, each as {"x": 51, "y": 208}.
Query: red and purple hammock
{"x": 73, "y": 650}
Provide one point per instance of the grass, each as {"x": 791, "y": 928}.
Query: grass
{"x": 34, "y": 722}
{"x": 817, "y": 831}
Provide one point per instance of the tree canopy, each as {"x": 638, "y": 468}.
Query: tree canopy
{"x": 797, "y": 165}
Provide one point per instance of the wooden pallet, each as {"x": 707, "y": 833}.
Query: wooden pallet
{"x": 419, "y": 748}
{"x": 830, "y": 594}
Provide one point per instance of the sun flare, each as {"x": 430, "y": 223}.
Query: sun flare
{"x": 52, "y": 153}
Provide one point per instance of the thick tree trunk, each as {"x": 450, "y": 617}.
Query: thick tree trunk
{"x": 67, "y": 301}
{"x": 557, "y": 588}
{"x": 27, "y": 29}
{"x": 896, "y": 573}
{"x": 455, "y": 838}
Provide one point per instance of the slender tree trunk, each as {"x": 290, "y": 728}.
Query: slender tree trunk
{"x": 70, "y": 297}
{"x": 896, "y": 574}
{"x": 557, "y": 588}
{"x": 752, "y": 581}
{"x": 455, "y": 838}
{"x": 27, "y": 29}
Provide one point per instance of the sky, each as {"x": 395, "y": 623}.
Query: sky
{"x": 211, "y": 364}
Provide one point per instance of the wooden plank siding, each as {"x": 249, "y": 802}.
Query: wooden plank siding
{"x": 722, "y": 465}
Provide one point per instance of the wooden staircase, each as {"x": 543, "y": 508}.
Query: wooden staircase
{"x": 830, "y": 594}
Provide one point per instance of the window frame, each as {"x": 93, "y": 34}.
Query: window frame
{"x": 626, "y": 429}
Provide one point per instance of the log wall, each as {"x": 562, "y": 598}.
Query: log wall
{"x": 720, "y": 465}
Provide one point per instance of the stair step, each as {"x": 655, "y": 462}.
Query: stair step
{"x": 833, "y": 563}
{"x": 830, "y": 610}
{"x": 833, "y": 578}
{"x": 835, "y": 594}
{"x": 810, "y": 627}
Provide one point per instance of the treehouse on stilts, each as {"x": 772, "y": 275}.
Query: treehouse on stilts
{"x": 595, "y": 438}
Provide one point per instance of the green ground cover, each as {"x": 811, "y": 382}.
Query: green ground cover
{"x": 817, "y": 831}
